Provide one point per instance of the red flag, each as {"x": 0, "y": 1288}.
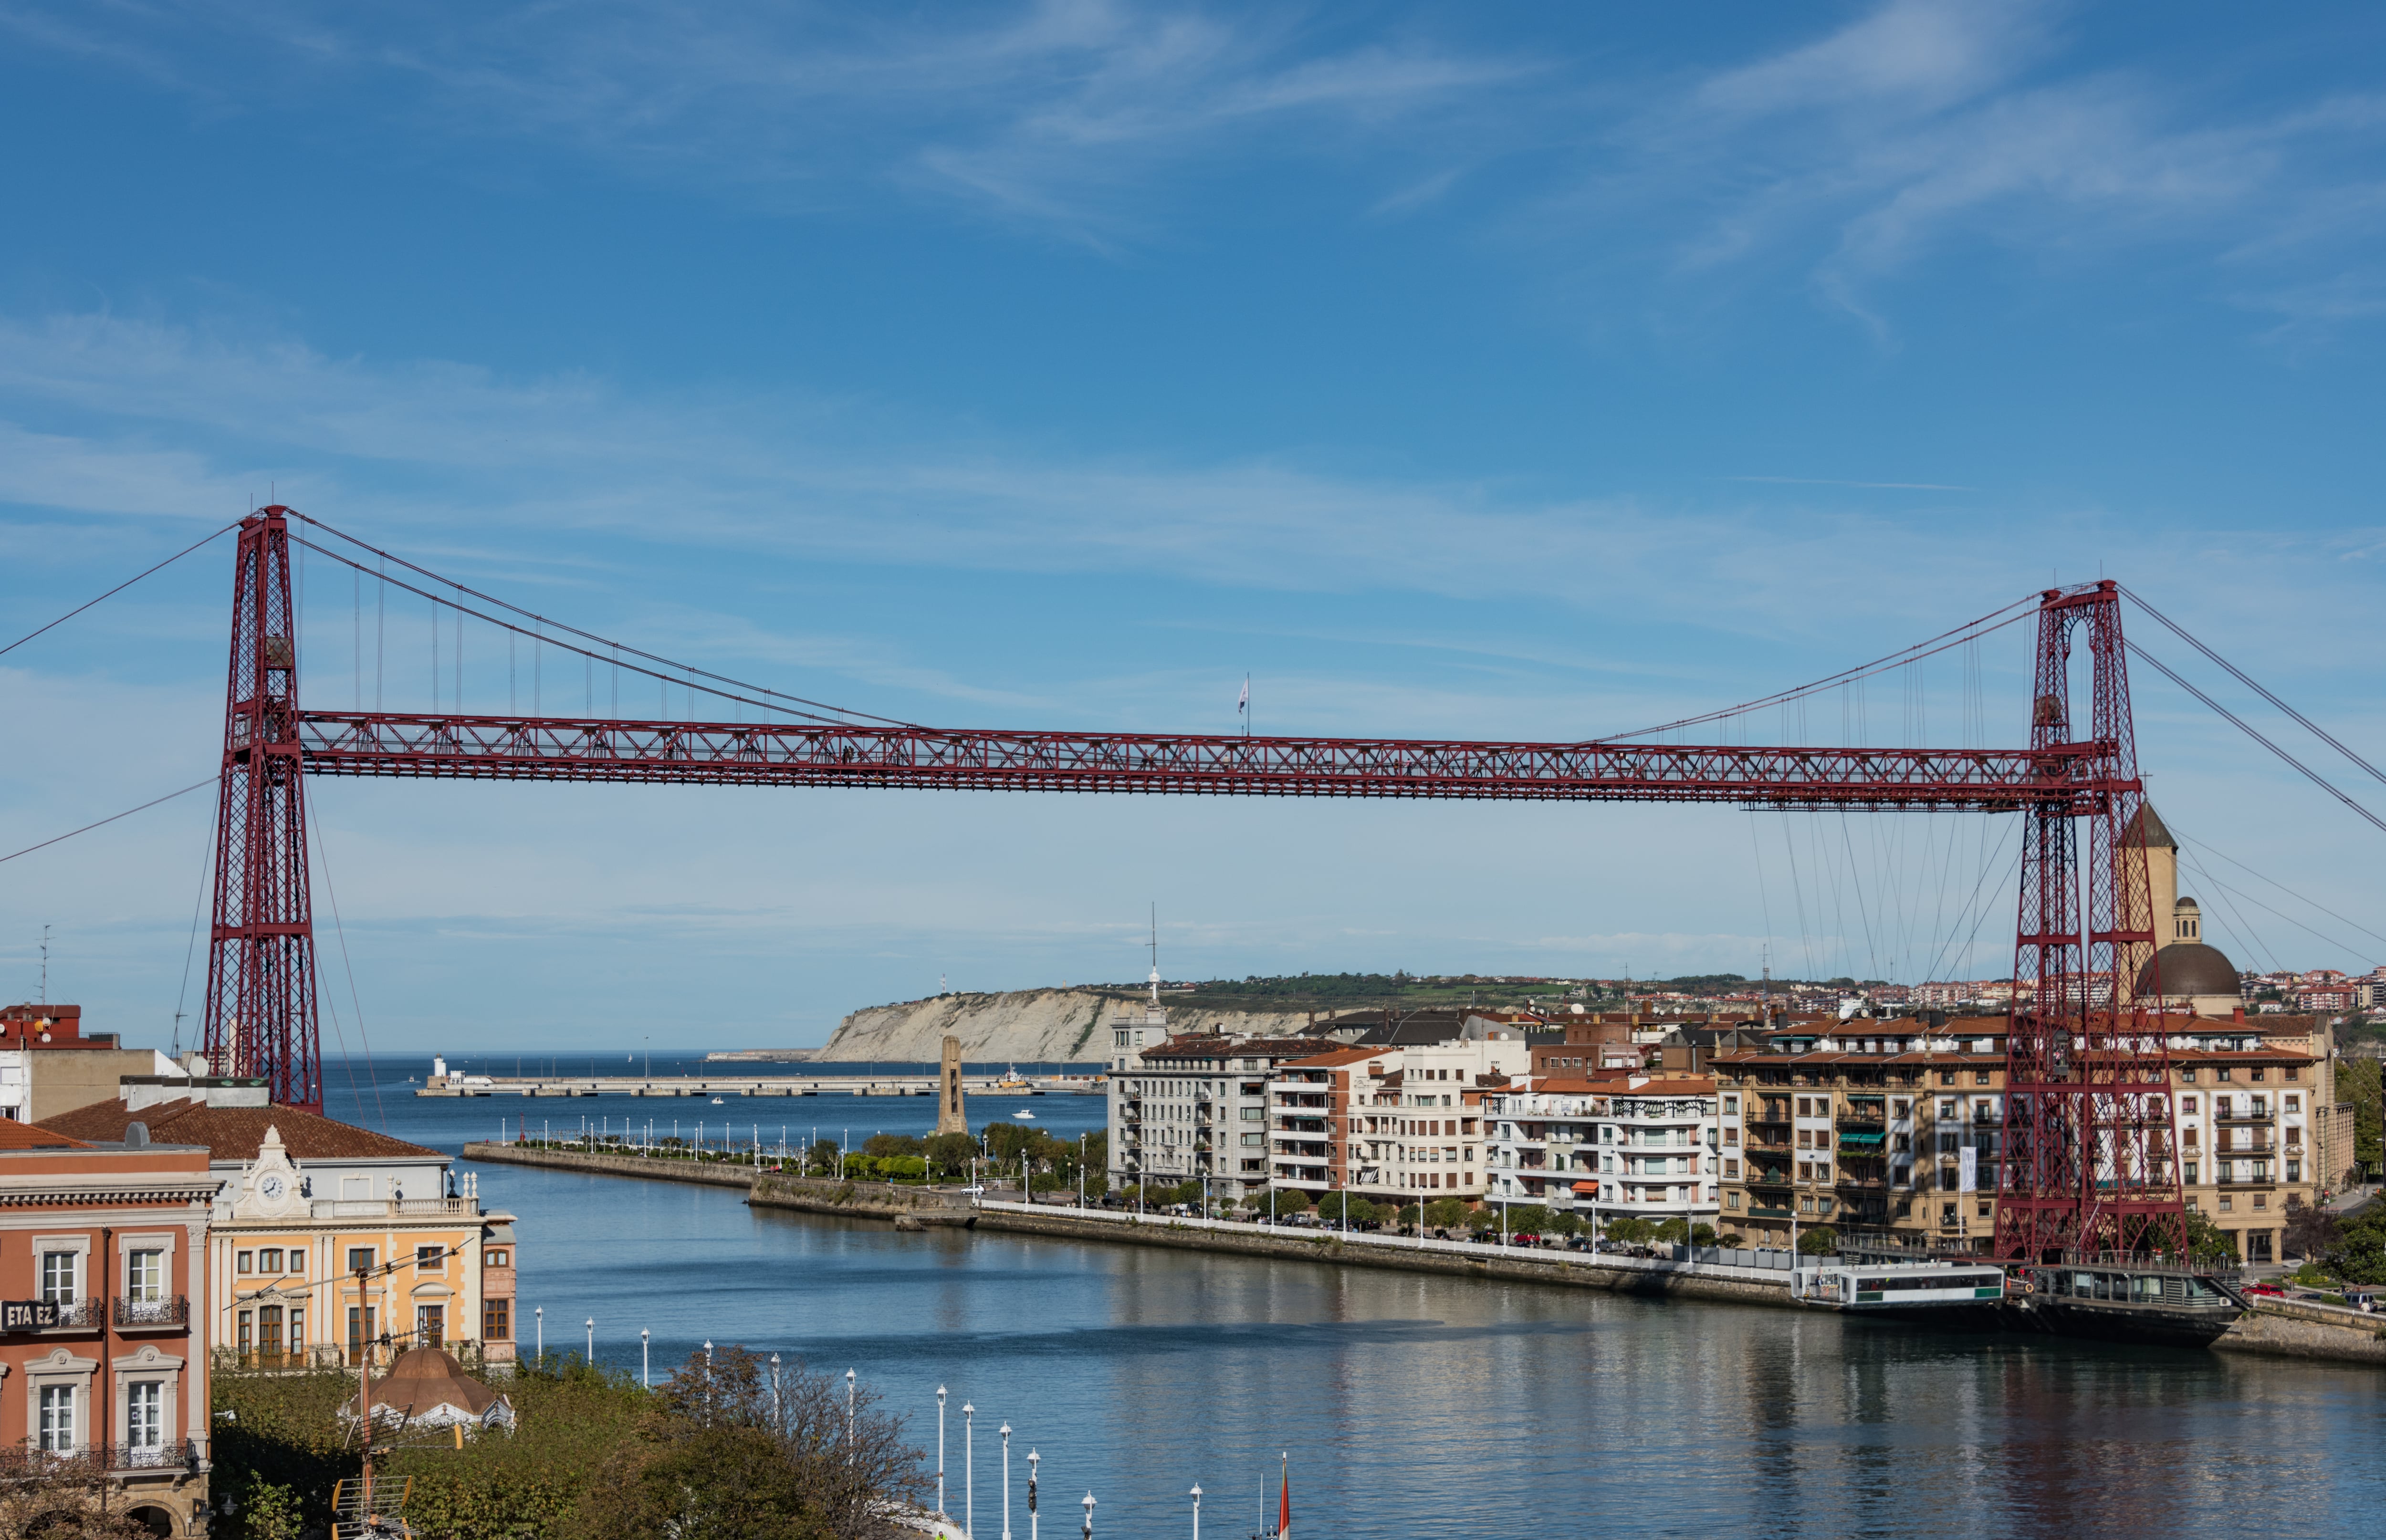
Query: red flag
{"x": 1284, "y": 1503}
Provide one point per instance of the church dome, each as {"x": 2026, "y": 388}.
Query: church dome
{"x": 2188, "y": 968}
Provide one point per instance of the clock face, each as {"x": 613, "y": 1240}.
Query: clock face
{"x": 272, "y": 1188}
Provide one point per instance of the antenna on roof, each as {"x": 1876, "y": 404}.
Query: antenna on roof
{"x": 1155, "y": 951}
{"x": 45, "y": 964}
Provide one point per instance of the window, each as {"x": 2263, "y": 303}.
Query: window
{"x": 244, "y": 1261}
{"x": 1731, "y": 1200}
{"x": 58, "y": 1277}
{"x": 2192, "y": 1178}
{"x": 1984, "y": 1208}
{"x": 145, "y": 1414}
{"x": 2294, "y": 1103}
{"x": 2227, "y": 1205}
{"x": 297, "y": 1265}
{"x": 1901, "y": 1108}
{"x": 496, "y": 1320}
{"x": 1946, "y": 1077}
{"x": 57, "y": 1418}
{"x": 430, "y": 1255}
{"x": 2186, "y": 1077}
{"x": 2295, "y": 1072}
{"x": 269, "y": 1260}
{"x": 2261, "y": 1200}
{"x": 2226, "y": 1074}
{"x": 145, "y": 1276}
{"x": 1731, "y": 1106}
{"x": 1979, "y": 1077}
{"x": 1731, "y": 1167}
{"x": 247, "y": 1331}
{"x": 361, "y": 1331}
{"x": 2187, "y": 1105}
{"x": 2189, "y": 1136}
{"x": 269, "y": 1331}
{"x": 2260, "y": 1074}
{"x": 2294, "y": 1170}
{"x": 1946, "y": 1107}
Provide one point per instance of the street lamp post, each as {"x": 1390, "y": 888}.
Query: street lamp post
{"x": 968, "y": 1468}
{"x": 778, "y": 1410}
{"x": 1006, "y": 1481}
{"x": 592, "y": 1339}
{"x": 1197, "y": 1511}
{"x": 539, "y": 1317}
{"x": 1089, "y": 1516}
{"x": 1031, "y": 1457}
{"x": 940, "y": 1451}
{"x": 848, "y": 1414}
{"x": 645, "y": 1360}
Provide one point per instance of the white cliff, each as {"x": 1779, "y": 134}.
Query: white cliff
{"x": 1040, "y": 1026}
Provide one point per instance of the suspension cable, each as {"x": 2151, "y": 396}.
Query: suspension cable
{"x": 1970, "y": 631}
{"x": 113, "y": 592}
{"x": 797, "y": 701}
{"x": 2248, "y": 729}
{"x": 2246, "y": 680}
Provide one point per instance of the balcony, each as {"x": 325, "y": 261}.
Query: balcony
{"x": 79, "y": 1315}
{"x": 395, "y": 1208}
{"x": 135, "y": 1315}
{"x": 1769, "y": 1179}
{"x": 2261, "y": 1114}
{"x": 18, "y": 1461}
{"x": 1768, "y": 1213}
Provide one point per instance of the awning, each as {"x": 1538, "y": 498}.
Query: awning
{"x": 1590, "y": 1187}
{"x": 1862, "y": 1138}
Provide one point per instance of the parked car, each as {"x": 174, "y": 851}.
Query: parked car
{"x": 2270, "y": 1289}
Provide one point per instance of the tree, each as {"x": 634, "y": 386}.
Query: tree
{"x": 1674, "y": 1232}
{"x": 65, "y": 1495}
{"x": 1631, "y": 1230}
{"x": 1819, "y": 1240}
{"x": 1289, "y": 1201}
{"x": 2309, "y": 1232}
{"x": 949, "y": 1155}
{"x": 1527, "y": 1218}
{"x": 1702, "y": 1234}
{"x": 1331, "y": 1206}
{"x": 2357, "y": 1251}
{"x": 2206, "y": 1242}
{"x": 1444, "y": 1212}
{"x": 2357, "y": 1081}
{"x": 823, "y": 1158}
{"x": 730, "y": 1451}
{"x": 885, "y": 1145}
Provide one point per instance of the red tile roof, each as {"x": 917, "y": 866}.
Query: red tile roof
{"x": 238, "y": 1132}
{"x": 16, "y": 1135}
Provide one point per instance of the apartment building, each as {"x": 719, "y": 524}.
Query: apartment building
{"x": 1609, "y": 1147}
{"x": 1198, "y": 1108}
{"x": 1898, "y": 1126}
{"x": 1315, "y": 1118}
{"x": 1397, "y": 1124}
{"x": 103, "y": 1334}
{"x": 306, "y": 1201}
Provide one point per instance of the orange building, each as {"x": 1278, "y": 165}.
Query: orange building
{"x": 102, "y": 1300}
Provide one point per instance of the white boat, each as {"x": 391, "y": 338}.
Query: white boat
{"x": 1025, "y": 1116}
{"x": 718, "y": 1102}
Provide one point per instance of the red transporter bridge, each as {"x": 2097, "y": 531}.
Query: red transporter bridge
{"x": 2088, "y": 1158}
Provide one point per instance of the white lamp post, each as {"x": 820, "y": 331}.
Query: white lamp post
{"x": 1031, "y": 1457}
{"x": 1006, "y": 1481}
{"x": 646, "y": 1360}
{"x": 592, "y": 1339}
{"x": 848, "y": 1414}
{"x": 1089, "y": 1516}
{"x": 940, "y": 1451}
{"x": 778, "y": 1411}
{"x": 1197, "y": 1511}
{"x": 968, "y": 1468}
{"x": 539, "y": 1318}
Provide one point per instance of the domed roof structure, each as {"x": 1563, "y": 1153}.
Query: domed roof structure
{"x": 2188, "y": 968}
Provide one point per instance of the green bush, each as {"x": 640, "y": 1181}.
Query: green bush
{"x": 1819, "y": 1240}
{"x": 1290, "y": 1201}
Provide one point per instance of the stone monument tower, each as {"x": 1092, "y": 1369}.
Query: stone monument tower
{"x": 951, "y": 1117}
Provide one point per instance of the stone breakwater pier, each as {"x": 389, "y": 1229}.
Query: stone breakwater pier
{"x": 2274, "y": 1328}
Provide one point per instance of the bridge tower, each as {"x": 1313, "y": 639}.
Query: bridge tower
{"x": 260, "y": 1004}
{"x": 2089, "y": 1162}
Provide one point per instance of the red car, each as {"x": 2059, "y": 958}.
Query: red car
{"x": 2265, "y": 1288}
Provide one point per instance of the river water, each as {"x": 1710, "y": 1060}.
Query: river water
{"x": 1409, "y": 1406}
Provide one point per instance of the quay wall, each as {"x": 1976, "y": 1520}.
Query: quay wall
{"x": 1452, "y": 1258}
{"x": 2294, "y": 1329}
{"x": 709, "y": 1173}
{"x": 819, "y": 1195}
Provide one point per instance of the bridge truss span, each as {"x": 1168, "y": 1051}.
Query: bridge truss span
{"x": 545, "y": 748}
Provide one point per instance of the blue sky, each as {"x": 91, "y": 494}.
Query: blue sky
{"x": 1455, "y": 372}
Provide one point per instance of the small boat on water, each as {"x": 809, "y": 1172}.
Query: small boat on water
{"x": 1025, "y": 1116}
{"x": 718, "y": 1102}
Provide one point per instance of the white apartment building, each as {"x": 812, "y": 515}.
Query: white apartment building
{"x": 1423, "y": 1138}
{"x": 1192, "y": 1107}
{"x": 1605, "y": 1150}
